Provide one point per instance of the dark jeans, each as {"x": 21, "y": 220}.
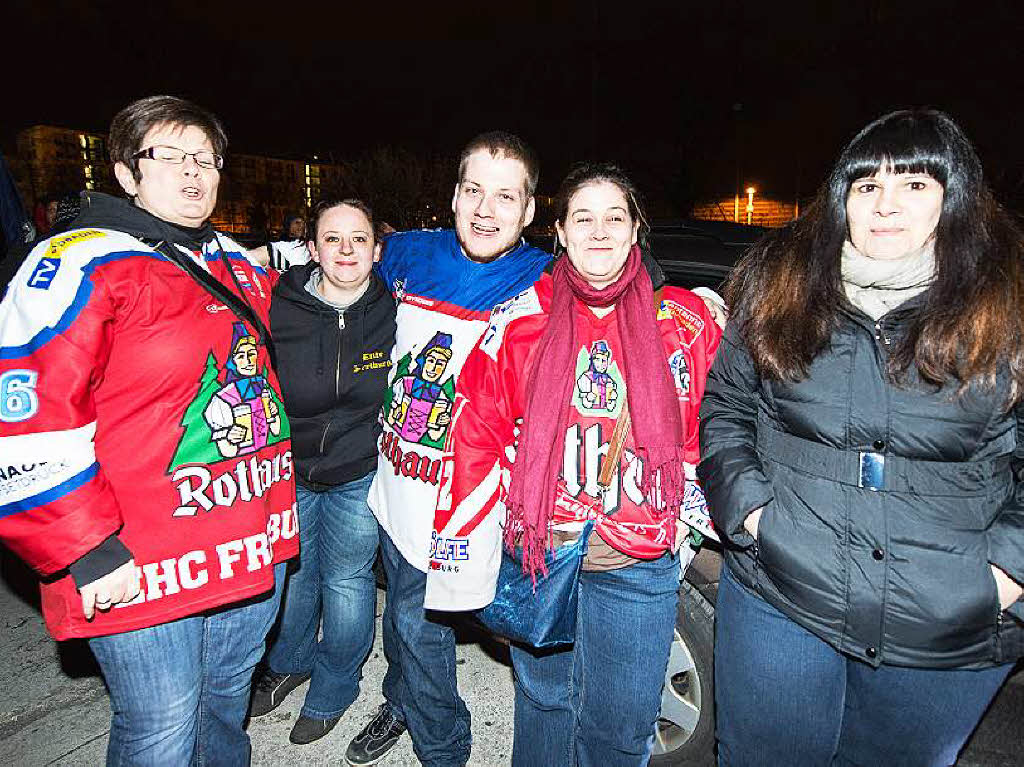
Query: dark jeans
{"x": 420, "y": 684}
{"x": 786, "y": 697}
{"x": 596, "y": 702}
{"x": 179, "y": 691}
{"x": 334, "y": 578}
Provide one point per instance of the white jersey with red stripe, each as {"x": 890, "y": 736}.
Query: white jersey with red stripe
{"x": 444, "y": 303}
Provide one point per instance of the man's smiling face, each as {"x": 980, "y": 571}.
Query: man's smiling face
{"x": 491, "y": 205}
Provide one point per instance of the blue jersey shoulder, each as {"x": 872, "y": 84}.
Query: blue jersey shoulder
{"x": 431, "y": 264}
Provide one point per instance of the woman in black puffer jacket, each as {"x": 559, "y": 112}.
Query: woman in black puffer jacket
{"x": 860, "y": 432}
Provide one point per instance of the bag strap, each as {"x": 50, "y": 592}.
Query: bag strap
{"x": 622, "y": 424}
{"x": 235, "y": 302}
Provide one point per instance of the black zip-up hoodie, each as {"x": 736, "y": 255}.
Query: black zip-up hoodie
{"x": 333, "y": 367}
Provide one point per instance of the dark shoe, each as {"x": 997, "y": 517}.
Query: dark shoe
{"x": 307, "y": 730}
{"x": 270, "y": 690}
{"x": 375, "y": 739}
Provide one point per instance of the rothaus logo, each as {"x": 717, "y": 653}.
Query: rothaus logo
{"x": 581, "y": 465}
{"x": 198, "y": 488}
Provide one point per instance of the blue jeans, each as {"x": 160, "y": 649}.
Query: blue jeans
{"x": 784, "y": 696}
{"x": 596, "y": 702}
{"x": 334, "y": 578}
{"x": 420, "y": 684}
{"x": 179, "y": 691}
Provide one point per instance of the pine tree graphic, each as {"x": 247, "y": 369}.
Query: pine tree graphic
{"x": 401, "y": 370}
{"x": 195, "y": 445}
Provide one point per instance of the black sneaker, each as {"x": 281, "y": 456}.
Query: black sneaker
{"x": 375, "y": 739}
{"x": 270, "y": 689}
{"x": 307, "y": 730}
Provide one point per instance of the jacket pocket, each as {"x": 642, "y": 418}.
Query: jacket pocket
{"x": 799, "y": 557}
{"x": 942, "y": 597}
{"x": 1000, "y": 651}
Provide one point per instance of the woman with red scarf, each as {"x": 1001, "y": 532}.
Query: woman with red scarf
{"x": 594, "y": 702}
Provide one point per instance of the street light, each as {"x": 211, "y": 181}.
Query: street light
{"x": 750, "y": 204}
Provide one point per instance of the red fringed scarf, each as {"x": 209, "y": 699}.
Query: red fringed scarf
{"x": 656, "y": 424}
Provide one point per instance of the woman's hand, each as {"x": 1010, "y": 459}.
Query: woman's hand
{"x": 1009, "y": 590}
{"x": 121, "y": 585}
{"x": 752, "y": 521}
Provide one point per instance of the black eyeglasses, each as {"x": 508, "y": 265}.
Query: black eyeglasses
{"x": 173, "y": 156}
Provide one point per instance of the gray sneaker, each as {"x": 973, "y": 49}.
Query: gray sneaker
{"x": 270, "y": 689}
{"x": 376, "y": 738}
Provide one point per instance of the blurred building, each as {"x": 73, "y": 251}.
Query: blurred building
{"x": 765, "y": 212}
{"x": 255, "y": 192}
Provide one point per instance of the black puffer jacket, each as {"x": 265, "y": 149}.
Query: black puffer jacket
{"x": 899, "y": 574}
{"x": 334, "y": 370}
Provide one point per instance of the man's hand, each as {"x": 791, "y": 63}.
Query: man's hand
{"x": 1009, "y": 590}
{"x": 236, "y": 434}
{"x": 121, "y": 585}
{"x": 752, "y": 521}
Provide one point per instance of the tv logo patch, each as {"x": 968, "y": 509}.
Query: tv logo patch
{"x": 45, "y": 271}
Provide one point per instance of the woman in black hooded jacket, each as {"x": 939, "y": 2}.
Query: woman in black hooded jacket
{"x": 861, "y": 429}
{"x": 333, "y": 323}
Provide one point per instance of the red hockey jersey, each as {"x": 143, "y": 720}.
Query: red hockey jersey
{"x": 466, "y": 544}
{"x": 133, "y": 402}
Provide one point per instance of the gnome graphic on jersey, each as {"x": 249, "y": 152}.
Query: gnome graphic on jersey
{"x": 421, "y": 405}
{"x": 597, "y": 389}
{"x": 242, "y": 414}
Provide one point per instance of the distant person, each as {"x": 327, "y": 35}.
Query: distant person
{"x": 715, "y": 304}
{"x": 290, "y": 250}
{"x": 445, "y": 282}
{"x": 595, "y": 701}
{"x": 60, "y": 215}
{"x": 860, "y": 432}
{"x": 333, "y": 322}
{"x": 115, "y": 338}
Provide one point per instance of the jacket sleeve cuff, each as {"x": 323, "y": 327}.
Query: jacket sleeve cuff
{"x": 102, "y": 560}
{"x": 734, "y": 487}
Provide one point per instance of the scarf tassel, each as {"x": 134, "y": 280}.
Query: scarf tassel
{"x": 663, "y": 482}
{"x": 533, "y": 543}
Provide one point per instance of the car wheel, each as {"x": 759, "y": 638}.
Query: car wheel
{"x": 685, "y": 735}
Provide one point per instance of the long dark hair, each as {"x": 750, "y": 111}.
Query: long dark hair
{"x": 786, "y": 292}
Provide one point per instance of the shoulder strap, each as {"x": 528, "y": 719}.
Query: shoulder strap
{"x": 221, "y": 292}
{"x": 618, "y": 440}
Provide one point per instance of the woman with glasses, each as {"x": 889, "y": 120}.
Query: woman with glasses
{"x": 138, "y": 397}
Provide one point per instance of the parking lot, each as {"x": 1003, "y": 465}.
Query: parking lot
{"x": 56, "y": 711}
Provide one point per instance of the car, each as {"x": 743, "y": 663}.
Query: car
{"x": 694, "y": 254}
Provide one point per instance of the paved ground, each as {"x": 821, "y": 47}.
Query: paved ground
{"x": 55, "y": 709}
{"x": 56, "y": 712}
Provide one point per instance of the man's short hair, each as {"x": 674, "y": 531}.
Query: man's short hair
{"x": 131, "y": 124}
{"x": 509, "y": 145}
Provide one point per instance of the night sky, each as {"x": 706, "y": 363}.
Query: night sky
{"x": 680, "y": 93}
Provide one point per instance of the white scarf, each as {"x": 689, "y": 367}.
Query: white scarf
{"x": 876, "y": 286}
